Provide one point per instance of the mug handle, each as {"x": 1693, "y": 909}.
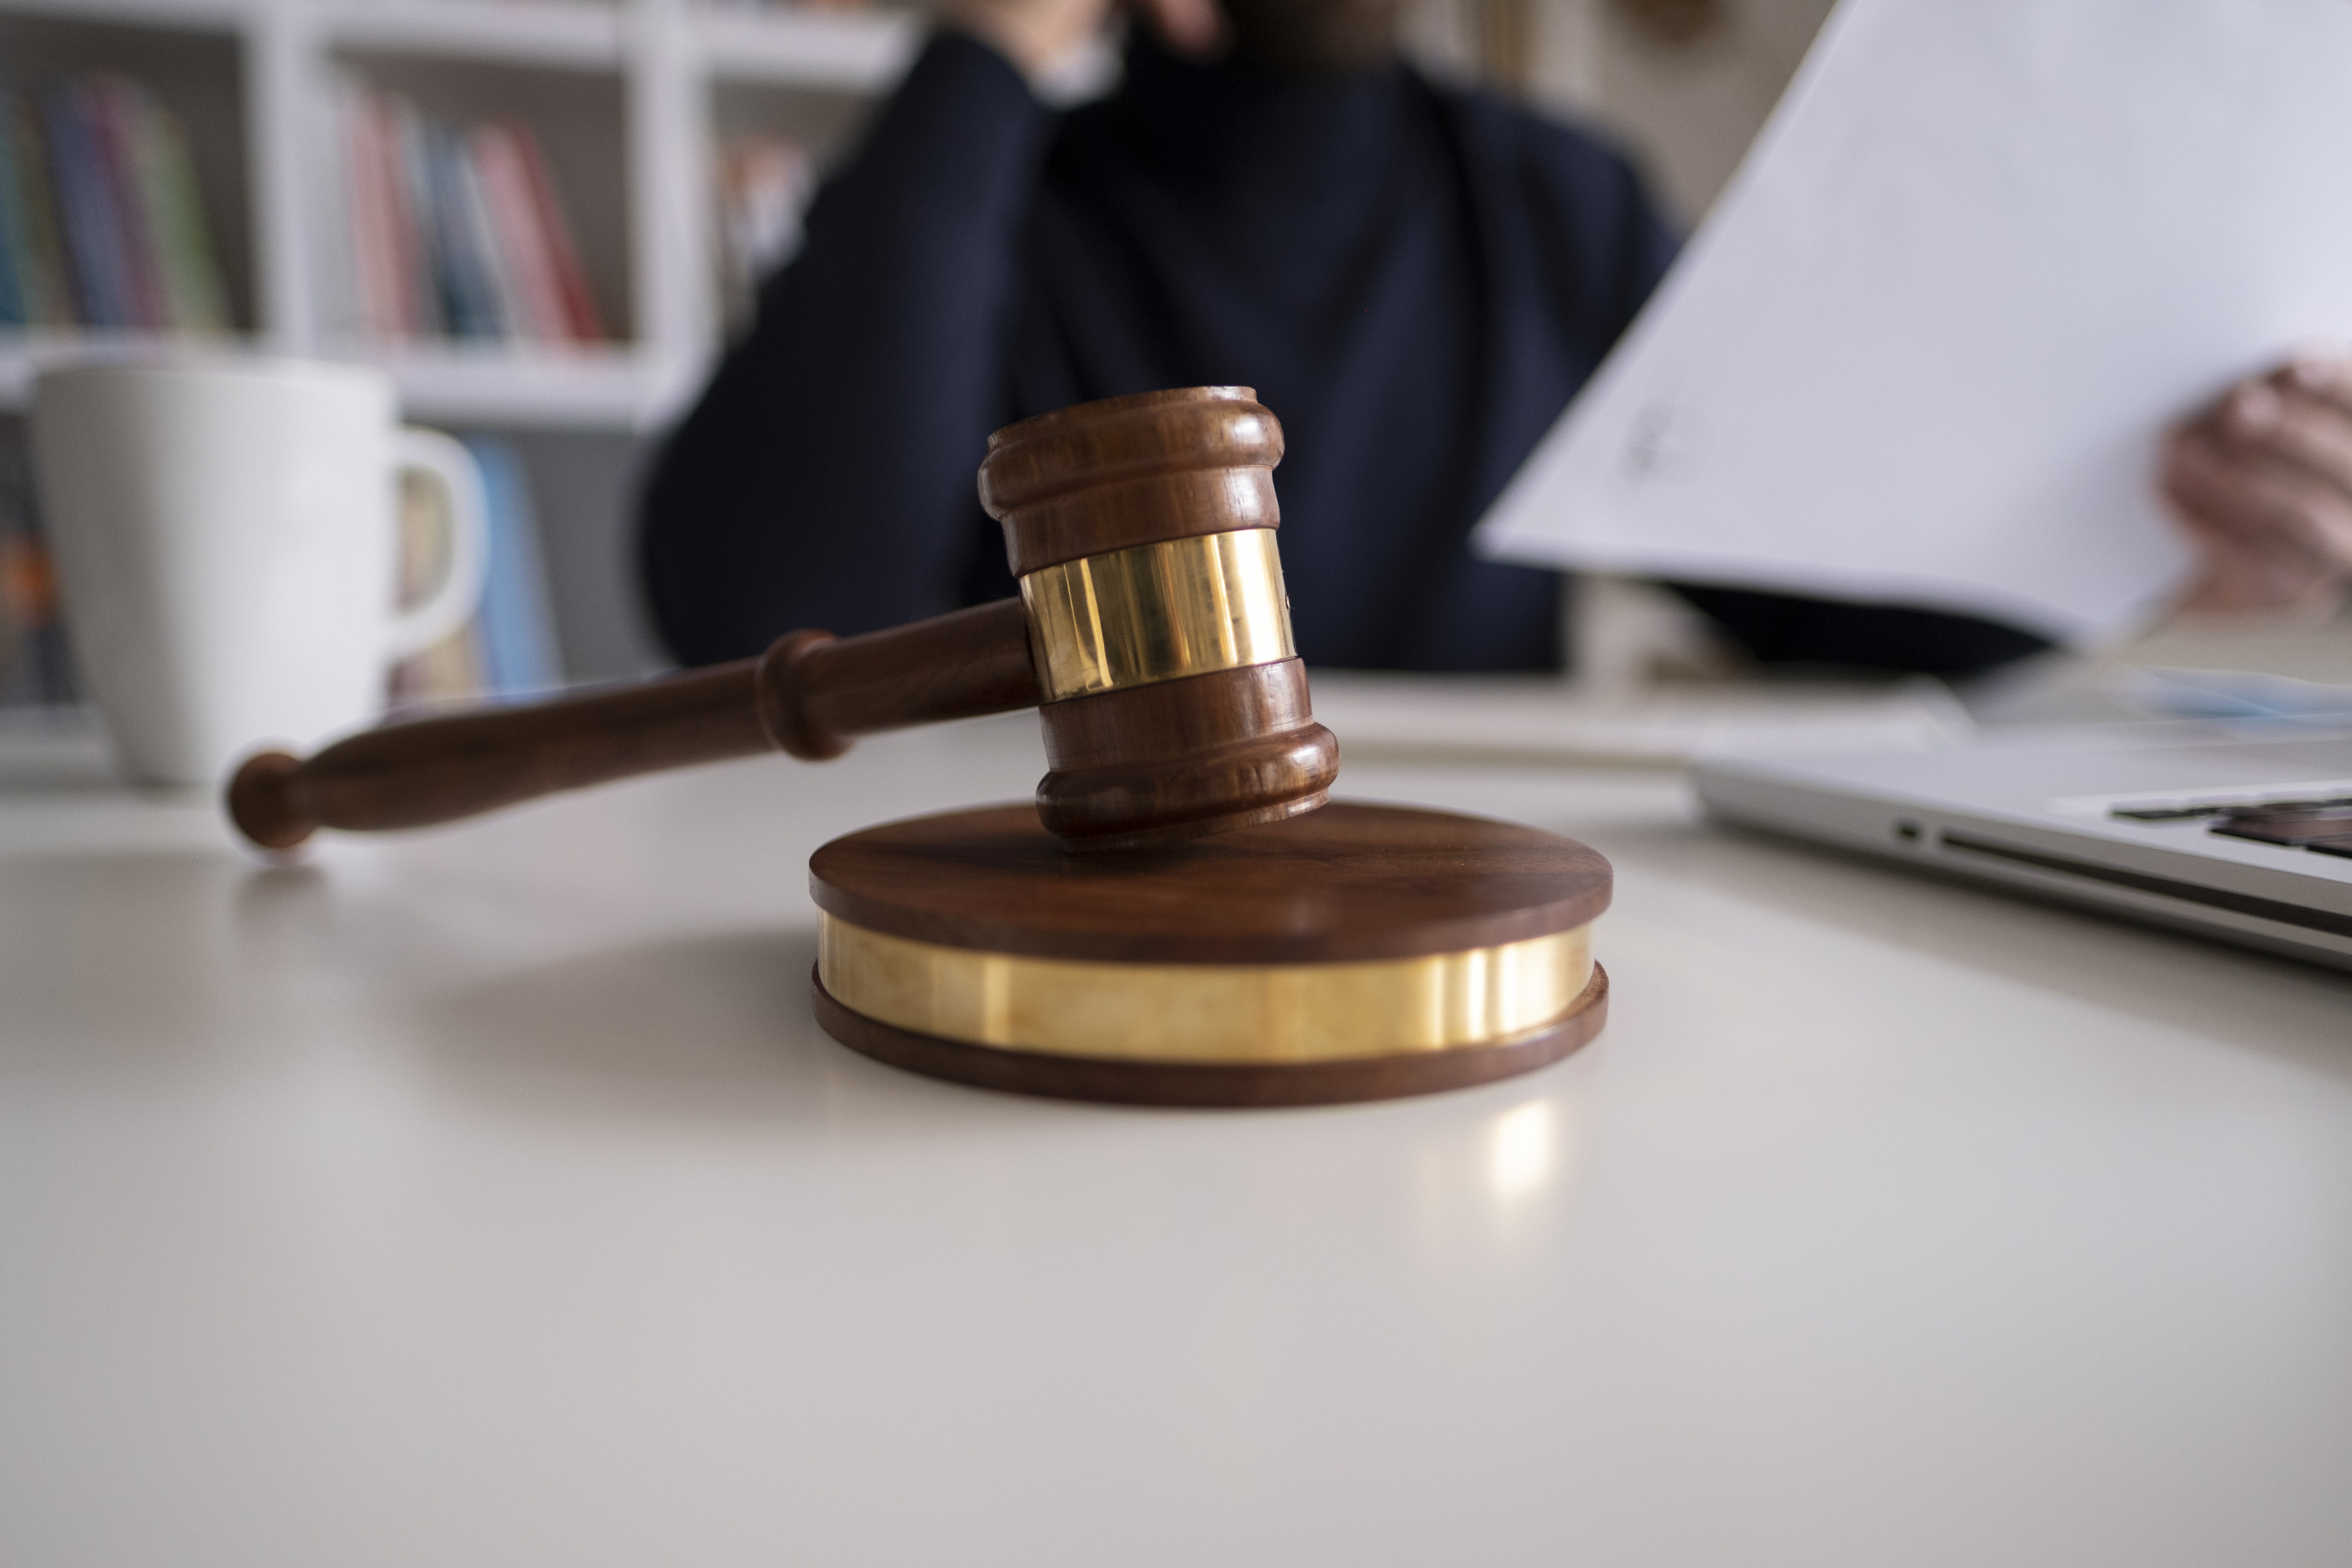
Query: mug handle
{"x": 454, "y": 598}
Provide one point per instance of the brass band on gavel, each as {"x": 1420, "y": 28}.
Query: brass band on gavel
{"x": 1158, "y": 612}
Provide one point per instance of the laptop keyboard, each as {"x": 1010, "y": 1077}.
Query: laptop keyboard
{"x": 2322, "y": 827}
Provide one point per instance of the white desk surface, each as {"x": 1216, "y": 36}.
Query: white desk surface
{"x": 487, "y": 1196}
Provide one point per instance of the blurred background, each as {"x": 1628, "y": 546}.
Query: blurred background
{"x": 545, "y": 216}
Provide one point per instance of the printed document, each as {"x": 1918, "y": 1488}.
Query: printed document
{"x": 1924, "y": 349}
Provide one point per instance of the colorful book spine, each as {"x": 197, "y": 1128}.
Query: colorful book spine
{"x": 109, "y": 108}
{"x": 571, "y": 279}
{"x": 102, "y": 220}
{"x": 535, "y": 292}
{"x": 493, "y": 267}
{"x": 411, "y": 185}
{"x": 468, "y": 289}
{"x": 36, "y": 666}
{"x": 376, "y": 272}
{"x": 40, "y": 253}
{"x": 516, "y": 622}
{"x": 466, "y": 219}
{"x": 103, "y": 293}
{"x": 39, "y": 666}
{"x": 16, "y": 288}
{"x": 194, "y": 297}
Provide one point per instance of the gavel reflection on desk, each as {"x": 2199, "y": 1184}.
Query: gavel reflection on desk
{"x": 1151, "y": 632}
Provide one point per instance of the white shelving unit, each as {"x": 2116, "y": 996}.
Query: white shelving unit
{"x": 626, "y": 95}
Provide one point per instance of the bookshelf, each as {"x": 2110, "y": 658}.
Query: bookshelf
{"x": 627, "y": 98}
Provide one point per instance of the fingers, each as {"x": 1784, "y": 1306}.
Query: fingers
{"x": 1193, "y": 28}
{"x": 2293, "y": 416}
{"x": 2326, "y": 376}
{"x": 1036, "y": 35}
{"x": 2271, "y": 529}
{"x": 2262, "y": 500}
{"x": 2263, "y": 481}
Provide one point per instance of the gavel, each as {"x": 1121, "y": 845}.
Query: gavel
{"x": 1151, "y": 632}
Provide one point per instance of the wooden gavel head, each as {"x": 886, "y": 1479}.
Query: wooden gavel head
{"x": 1142, "y": 531}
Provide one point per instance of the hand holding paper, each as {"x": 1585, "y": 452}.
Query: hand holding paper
{"x": 2264, "y": 483}
{"x": 1927, "y": 346}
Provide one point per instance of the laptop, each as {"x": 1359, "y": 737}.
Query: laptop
{"x": 2236, "y": 831}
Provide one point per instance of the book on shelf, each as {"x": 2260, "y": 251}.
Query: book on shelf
{"x": 476, "y": 306}
{"x": 764, "y": 183}
{"x": 517, "y": 617}
{"x": 36, "y": 666}
{"x": 455, "y": 231}
{"x": 101, "y": 221}
{"x": 508, "y": 649}
{"x": 34, "y": 292}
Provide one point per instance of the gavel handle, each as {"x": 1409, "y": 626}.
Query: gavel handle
{"x": 806, "y": 695}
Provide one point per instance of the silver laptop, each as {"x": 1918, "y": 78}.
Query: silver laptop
{"x": 2234, "y": 831}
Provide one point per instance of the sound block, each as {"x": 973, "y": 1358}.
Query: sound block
{"x": 1356, "y": 952}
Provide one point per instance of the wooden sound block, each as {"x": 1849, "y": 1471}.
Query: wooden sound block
{"x": 1356, "y": 952}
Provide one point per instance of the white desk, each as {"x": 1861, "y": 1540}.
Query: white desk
{"x": 488, "y": 1197}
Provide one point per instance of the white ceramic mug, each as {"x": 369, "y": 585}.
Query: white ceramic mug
{"x": 225, "y": 538}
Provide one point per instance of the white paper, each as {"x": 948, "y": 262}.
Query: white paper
{"x": 1925, "y": 347}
